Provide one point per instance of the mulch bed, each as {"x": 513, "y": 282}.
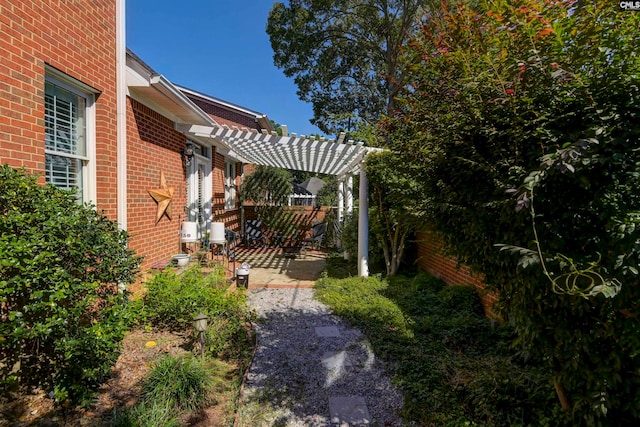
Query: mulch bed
{"x": 122, "y": 389}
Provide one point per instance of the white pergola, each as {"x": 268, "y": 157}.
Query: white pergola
{"x": 340, "y": 158}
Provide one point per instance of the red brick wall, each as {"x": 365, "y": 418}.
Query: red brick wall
{"x": 224, "y": 116}
{"x": 432, "y": 260}
{"x": 153, "y": 146}
{"x": 78, "y": 38}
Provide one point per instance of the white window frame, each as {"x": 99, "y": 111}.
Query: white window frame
{"x": 230, "y": 188}
{"x": 206, "y": 191}
{"x": 87, "y": 192}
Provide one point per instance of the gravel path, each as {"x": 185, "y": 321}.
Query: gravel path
{"x": 311, "y": 365}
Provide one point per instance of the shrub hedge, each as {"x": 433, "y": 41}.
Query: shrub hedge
{"x": 62, "y": 317}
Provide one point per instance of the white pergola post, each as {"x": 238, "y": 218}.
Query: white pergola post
{"x": 340, "y": 217}
{"x": 363, "y": 225}
{"x": 340, "y": 201}
{"x": 349, "y": 194}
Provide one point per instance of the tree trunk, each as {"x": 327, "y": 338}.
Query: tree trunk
{"x": 562, "y": 395}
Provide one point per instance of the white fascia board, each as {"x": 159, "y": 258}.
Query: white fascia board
{"x": 262, "y": 119}
{"x": 162, "y": 84}
{"x": 135, "y": 78}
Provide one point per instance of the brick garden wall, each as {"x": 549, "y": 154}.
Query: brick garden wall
{"x": 431, "y": 260}
{"x": 78, "y": 38}
{"x": 153, "y": 146}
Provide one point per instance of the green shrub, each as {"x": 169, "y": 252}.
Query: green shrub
{"x": 461, "y": 298}
{"x": 358, "y": 299}
{"x": 62, "y": 315}
{"x": 229, "y": 337}
{"x": 178, "y": 382}
{"x": 453, "y": 365}
{"x": 172, "y": 300}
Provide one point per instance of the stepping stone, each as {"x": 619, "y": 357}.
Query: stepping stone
{"x": 327, "y": 331}
{"x": 336, "y": 360}
{"x": 351, "y": 410}
{"x": 336, "y": 365}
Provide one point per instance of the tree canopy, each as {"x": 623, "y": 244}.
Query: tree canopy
{"x": 523, "y": 115}
{"x": 343, "y": 55}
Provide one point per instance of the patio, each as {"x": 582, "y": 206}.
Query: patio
{"x": 271, "y": 269}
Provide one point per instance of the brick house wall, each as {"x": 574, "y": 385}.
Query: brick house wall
{"x": 432, "y": 260}
{"x": 79, "y": 39}
{"x": 224, "y": 116}
{"x": 153, "y": 146}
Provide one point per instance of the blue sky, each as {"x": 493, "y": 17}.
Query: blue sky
{"x": 220, "y": 48}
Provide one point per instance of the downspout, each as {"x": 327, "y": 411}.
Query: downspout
{"x": 363, "y": 224}
{"x": 121, "y": 113}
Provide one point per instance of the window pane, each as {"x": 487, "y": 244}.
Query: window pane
{"x": 65, "y": 126}
{"x": 230, "y": 185}
{"x": 64, "y": 172}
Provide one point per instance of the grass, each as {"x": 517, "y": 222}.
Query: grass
{"x": 146, "y": 415}
{"x": 454, "y": 366}
{"x": 180, "y": 382}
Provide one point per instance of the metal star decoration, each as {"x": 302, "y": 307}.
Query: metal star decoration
{"x": 163, "y": 197}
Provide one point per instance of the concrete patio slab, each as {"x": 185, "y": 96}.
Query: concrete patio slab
{"x": 271, "y": 269}
{"x": 349, "y": 410}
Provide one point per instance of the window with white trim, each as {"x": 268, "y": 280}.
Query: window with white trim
{"x": 69, "y": 138}
{"x": 229, "y": 185}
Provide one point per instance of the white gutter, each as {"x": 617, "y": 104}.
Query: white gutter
{"x": 121, "y": 113}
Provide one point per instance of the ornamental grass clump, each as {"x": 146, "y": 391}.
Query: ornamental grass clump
{"x": 146, "y": 415}
{"x": 178, "y": 382}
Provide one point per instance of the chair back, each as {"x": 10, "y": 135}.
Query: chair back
{"x": 254, "y": 228}
{"x": 319, "y": 229}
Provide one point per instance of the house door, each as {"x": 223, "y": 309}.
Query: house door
{"x": 200, "y": 193}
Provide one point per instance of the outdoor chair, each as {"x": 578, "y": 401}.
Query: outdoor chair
{"x": 318, "y": 230}
{"x": 254, "y": 237}
{"x": 232, "y": 241}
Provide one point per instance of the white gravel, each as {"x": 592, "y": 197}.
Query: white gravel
{"x": 295, "y": 371}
